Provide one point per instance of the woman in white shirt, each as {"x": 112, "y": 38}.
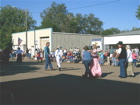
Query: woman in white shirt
{"x": 129, "y": 63}
{"x": 19, "y": 55}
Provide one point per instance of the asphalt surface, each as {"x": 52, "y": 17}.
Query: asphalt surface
{"x": 30, "y": 84}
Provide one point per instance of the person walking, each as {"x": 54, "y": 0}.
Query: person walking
{"x": 95, "y": 67}
{"x": 58, "y": 55}
{"x": 129, "y": 63}
{"x": 86, "y": 56}
{"x": 121, "y": 57}
{"x": 47, "y": 57}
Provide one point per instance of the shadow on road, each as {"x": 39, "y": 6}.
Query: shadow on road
{"x": 13, "y": 68}
{"x": 68, "y": 89}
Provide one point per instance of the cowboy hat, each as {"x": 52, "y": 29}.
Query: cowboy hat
{"x": 120, "y": 43}
{"x": 59, "y": 47}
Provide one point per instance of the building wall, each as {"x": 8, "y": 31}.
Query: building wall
{"x": 132, "y": 40}
{"x": 37, "y": 37}
{"x": 68, "y": 40}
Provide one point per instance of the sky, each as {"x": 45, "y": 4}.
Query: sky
{"x": 119, "y": 14}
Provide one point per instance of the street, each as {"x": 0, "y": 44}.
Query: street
{"x": 29, "y": 83}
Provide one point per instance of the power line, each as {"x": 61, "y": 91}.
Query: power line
{"x": 94, "y": 5}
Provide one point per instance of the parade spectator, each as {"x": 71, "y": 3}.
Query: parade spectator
{"x": 78, "y": 59}
{"x": 65, "y": 52}
{"x": 71, "y": 50}
{"x": 108, "y": 58}
{"x": 121, "y": 57}
{"x": 134, "y": 56}
{"x": 27, "y": 53}
{"x": 101, "y": 56}
{"x": 111, "y": 51}
{"x": 19, "y": 55}
{"x": 114, "y": 62}
{"x": 77, "y": 51}
{"x": 129, "y": 63}
{"x": 74, "y": 50}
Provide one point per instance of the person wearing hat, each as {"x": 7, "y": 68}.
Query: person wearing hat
{"x": 47, "y": 57}
{"x": 121, "y": 57}
{"x": 95, "y": 67}
{"x": 58, "y": 55}
{"x": 86, "y": 56}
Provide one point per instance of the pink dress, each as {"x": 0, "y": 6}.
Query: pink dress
{"x": 95, "y": 67}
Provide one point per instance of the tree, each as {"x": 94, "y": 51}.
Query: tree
{"x": 58, "y": 17}
{"x": 110, "y": 31}
{"x": 54, "y": 16}
{"x": 138, "y": 12}
{"x": 135, "y": 29}
{"x": 88, "y": 24}
{"x": 13, "y": 20}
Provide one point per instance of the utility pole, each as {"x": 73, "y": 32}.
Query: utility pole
{"x": 34, "y": 41}
{"x": 26, "y": 30}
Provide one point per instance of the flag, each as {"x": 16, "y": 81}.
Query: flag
{"x": 19, "y": 41}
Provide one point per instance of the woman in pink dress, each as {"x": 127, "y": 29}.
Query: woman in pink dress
{"x": 95, "y": 67}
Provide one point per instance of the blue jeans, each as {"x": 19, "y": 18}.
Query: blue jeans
{"x": 114, "y": 62}
{"x": 134, "y": 62}
{"x": 48, "y": 62}
{"x": 122, "y": 67}
{"x": 87, "y": 65}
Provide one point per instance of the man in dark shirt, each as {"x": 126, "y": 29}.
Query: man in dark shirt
{"x": 121, "y": 57}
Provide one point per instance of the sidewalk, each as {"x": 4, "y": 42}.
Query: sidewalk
{"x": 31, "y": 84}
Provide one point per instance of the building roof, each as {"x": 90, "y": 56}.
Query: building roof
{"x": 63, "y": 33}
{"x": 126, "y": 33}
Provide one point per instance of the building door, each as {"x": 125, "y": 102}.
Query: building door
{"x": 43, "y": 42}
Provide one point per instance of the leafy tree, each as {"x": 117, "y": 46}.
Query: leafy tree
{"x": 54, "y": 16}
{"x": 89, "y": 24}
{"x": 135, "y": 29}
{"x": 13, "y": 20}
{"x": 61, "y": 20}
{"x": 110, "y": 31}
{"x": 138, "y": 12}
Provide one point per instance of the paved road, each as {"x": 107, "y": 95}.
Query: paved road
{"x": 29, "y": 83}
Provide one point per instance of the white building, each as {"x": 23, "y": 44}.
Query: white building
{"x": 128, "y": 38}
{"x": 38, "y": 39}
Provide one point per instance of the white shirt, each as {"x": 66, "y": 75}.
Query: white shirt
{"x": 58, "y": 53}
{"x": 19, "y": 52}
{"x": 129, "y": 55}
{"x": 119, "y": 50}
{"x": 65, "y": 51}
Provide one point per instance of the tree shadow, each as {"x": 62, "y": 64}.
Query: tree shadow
{"x": 68, "y": 89}
{"x": 13, "y": 68}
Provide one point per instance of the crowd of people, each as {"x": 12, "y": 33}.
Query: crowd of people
{"x": 91, "y": 57}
